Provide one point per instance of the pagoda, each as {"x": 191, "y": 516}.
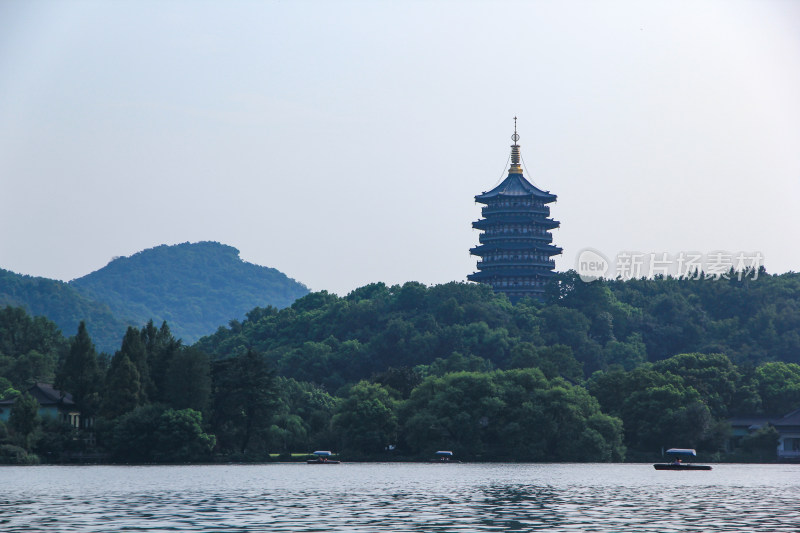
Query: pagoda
{"x": 515, "y": 247}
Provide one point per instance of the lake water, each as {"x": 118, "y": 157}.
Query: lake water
{"x": 400, "y": 498}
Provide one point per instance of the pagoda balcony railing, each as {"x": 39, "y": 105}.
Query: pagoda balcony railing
{"x": 533, "y": 226}
{"x": 516, "y": 209}
{"x": 533, "y": 231}
{"x": 486, "y": 238}
{"x": 546, "y": 263}
{"x": 519, "y": 288}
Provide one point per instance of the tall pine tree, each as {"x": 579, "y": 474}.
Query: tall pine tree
{"x": 134, "y": 348}
{"x": 245, "y": 394}
{"x": 123, "y": 387}
{"x": 79, "y": 373}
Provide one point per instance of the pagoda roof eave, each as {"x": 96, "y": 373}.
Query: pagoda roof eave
{"x": 515, "y": 185}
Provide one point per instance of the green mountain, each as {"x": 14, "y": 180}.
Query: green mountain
{"x": 195, "y": 287}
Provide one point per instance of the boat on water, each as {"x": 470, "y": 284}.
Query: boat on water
{"x": 323, "y": 457}
{"x": 677, "y": 463}
{"x": 444, "y": 456}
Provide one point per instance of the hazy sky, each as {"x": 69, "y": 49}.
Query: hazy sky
{"x": 343, "y": 142}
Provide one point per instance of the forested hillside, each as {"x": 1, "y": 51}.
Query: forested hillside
{"x": 579, "y": 329}
{"x": 64, "y": 305}
{"x": 670, "y": 359}
{"x": 749, "y": 320}
{"x": 598, "y": 371}
{"x": 195, "y": 287}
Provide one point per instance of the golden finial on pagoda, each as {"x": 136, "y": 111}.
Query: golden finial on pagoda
{"x": 515, "y": 157}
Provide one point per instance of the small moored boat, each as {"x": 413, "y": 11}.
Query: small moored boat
{"x": 323, "y": 458}
{"x": 444, "y": 456}
{"x": 677, "y": 463}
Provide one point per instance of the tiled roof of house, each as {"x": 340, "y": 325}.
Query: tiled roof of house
{"x": 789, "y": 419}
{"x": 45, "y": 394}
{"x": 749, "y": 421}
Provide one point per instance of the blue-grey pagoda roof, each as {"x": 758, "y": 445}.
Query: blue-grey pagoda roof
{"x": 516, "y": 185}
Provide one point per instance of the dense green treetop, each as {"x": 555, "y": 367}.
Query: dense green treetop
{"x": 778, "y": 385}
{"x": 749, "y": 320}
{"x": 515, "y": 414}
{"x": 24, "y": 418}
{"x": 366, "y": 419}
{"x": 301, "y": 419}
{"x": 30, "y": 348}
{"x": 153, "y": 433}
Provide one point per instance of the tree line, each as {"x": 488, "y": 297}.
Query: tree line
{"x": 594, "y": 372}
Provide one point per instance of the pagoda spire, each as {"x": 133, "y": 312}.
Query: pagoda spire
{"x": 515, "y": 157}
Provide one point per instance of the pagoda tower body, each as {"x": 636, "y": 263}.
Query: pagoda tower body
{"x": 515, "y": 247}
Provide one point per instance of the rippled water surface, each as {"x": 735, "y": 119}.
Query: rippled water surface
{"x": 400, "y": 498}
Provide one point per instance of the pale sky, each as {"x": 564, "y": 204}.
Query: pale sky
{"x": 342, "y": 142}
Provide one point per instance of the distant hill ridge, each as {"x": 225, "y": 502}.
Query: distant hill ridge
{"x": 195, "y": 287}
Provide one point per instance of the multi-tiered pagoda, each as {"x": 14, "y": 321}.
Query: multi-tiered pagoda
{"x": 515, "y": 247}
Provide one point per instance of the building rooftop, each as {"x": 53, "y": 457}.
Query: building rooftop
{"x": 45, "y": 394}
{"x": 789, "y": 419}
{"x": 516, "y": 185}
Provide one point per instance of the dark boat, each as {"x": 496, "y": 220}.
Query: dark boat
{"x": 677, "y": 463}
{"x": 681, "y": 466}
{"x": 323, "y": 458}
